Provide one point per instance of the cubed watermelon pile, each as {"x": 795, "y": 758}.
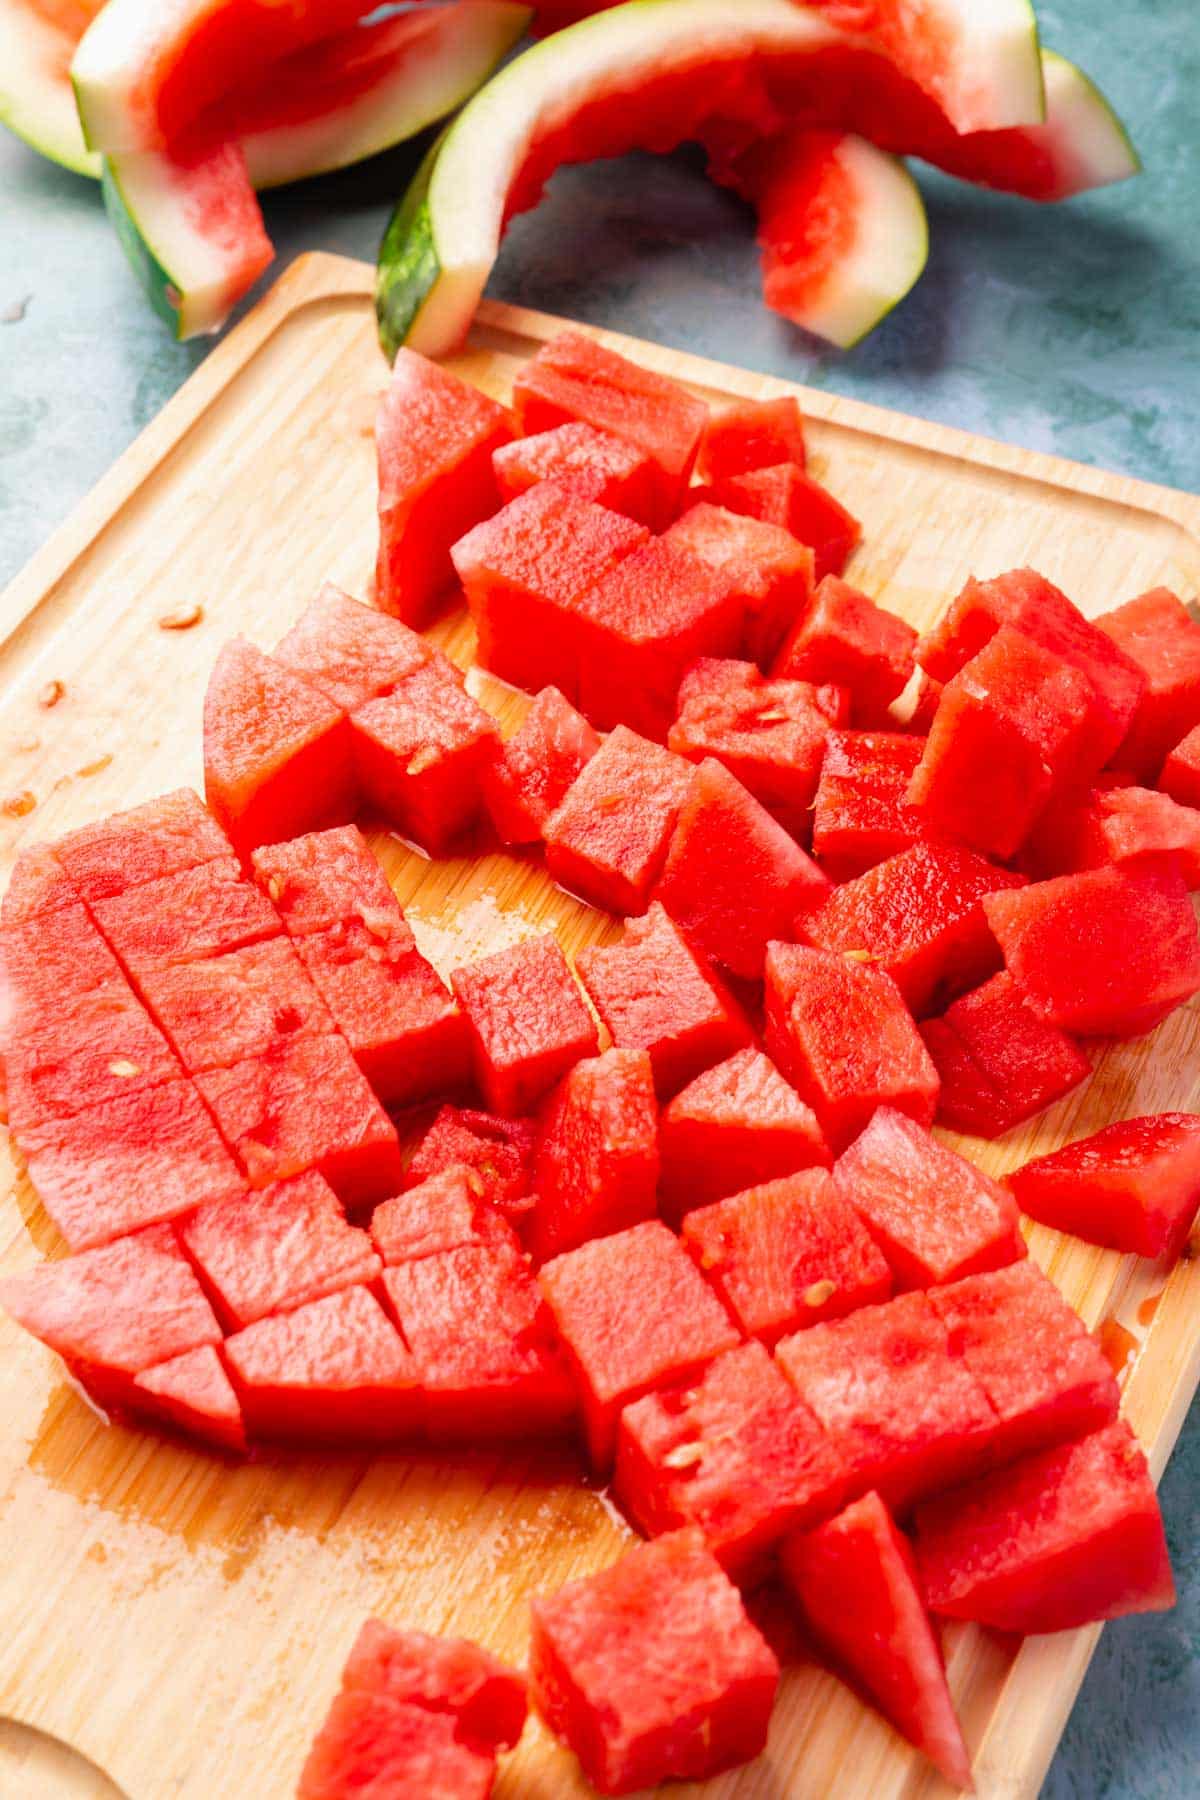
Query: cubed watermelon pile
{"x": 679, "y": 1201}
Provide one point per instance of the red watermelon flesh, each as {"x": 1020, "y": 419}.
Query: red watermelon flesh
{"x": 839, "y": 1031}
{"x": 769, "y": 570}
{"x": 225, "y": 1008}
{"x": 848, "y": 641}
{"x": 306, "y": 1106}
{"x": 499, "y": 1151}
{"x": 651, "y": 1669}
{"x": 348, "y": 651}
{"x": 734, "y": 1127}
{"x": 483, "y": 1344}
{"x": 147, "y": 1156}
{"x": 1157, "y": 632}
{"x": 445, "y": 1212}
{"x": 1180, "y": 773}
{"x": 1108, "y": 952}
{"x": 1133, "y": 1186}
{"x": 919, "y": 917}
{"x": 434, "y": 438}
{"x": 530, "y": 777}
{"x": 595, "y": 1166}
{"x": 935, "y": 1216}
{"x": 655, "y": 993}
{"x": 860, "y": 1596}
{"x": 1114, "y": 825}
{"x": 733, "y": 878}
{"x": 420, "y": 753}
{"x": 201, "y": 912}
{"x": 608, "y": 839}
{"x": 967, "y": 1100}
{"x": 751, "y": 434}
{"x": 787, "y": 1255}
{"x": 334, "y": 1370}
{"x": 193, "y": 1393}
{"x": 52, "y": 959}
{"x": 526, "y": 1020}
{"x": 1046, "y": 1377}
{"x": 574, "y": 377}
{"x": 102, "y": 1046}
{"x": 114, "y": 1311}
{"x": 390, "y": 1005}
{"x": 276, "y": 1247}
{"x": 1023, "y": 1062}
{"x": 635, "y": 1315}
{"x": 160, "y": 837}
{"x": 38, "y": 883}
{"x": 373, "y": 1745}
{"x": 485, "y": 1698}
{"x": 1059, "y": 1540}
{"x": 784, "y": 495}
{"x": 860, "y": 816}
{"x": 523, "y": 571}
{"x": 324, "y": 879}
{"x": 733, "y": 1452}
{"x": 276, "y": 751}
{"x": 593, "y": 465}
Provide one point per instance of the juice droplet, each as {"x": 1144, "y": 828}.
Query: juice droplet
{"x": 1119, "y": 1346}
{"x": 1149, "y": 1307}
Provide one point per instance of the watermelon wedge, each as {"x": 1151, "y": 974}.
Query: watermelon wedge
{"x": 36, "y": 99}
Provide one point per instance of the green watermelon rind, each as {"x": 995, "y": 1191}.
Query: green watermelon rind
{"x": 154, "y": 279}
{"x": 408, "y": 267}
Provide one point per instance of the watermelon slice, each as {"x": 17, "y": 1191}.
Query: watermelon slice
{"x": 785, "y": 496}
{"x": 735, "y": 1126}
{"x": 164, "y": 836}
{"x": 193, "y": 1393}
{"x": 856, "y": 1581}
{"x": 526, "y": 1020}
{"x": 531, "y": 776}
{"x": 499, "y": 1151}
{"x": 596, "y": 1163}
{"x": 371, "y": 1743}
{"x": 1135, "y": 1185}
{"x": 769, "y": 570}
{"x": 1159, "y": 634}
{"x": 860, "y": 816}
{"x": 326, "y": 878}
{"x": 999, "y": 1060}
{"x": 350, "y": 652}
{"x": 445, "y": 1212}
{"x": 607, "y": 841}
{"x": 751, "y": 434}
{"x": 201, "y": 912}
{"x": 594, "y": 465}
{"x": 847, "y": 641}
{"x": 485, "y": 1698}
{"x": 224, "y": 1008}
{"x": 1114, "y": 825}
{"x": 36, "y": 98}
{"x": 420, "y": 753}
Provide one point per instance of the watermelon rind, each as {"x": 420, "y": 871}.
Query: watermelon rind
{"x": 36, "y": 100}
{"x": 996, "y": 74}
{"x": 1089, "y": 146}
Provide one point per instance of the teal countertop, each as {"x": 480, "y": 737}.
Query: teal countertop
{"x": 1073, "y": 329}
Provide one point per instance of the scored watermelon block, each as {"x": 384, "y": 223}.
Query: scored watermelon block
{"x": 445, "y": 1212}
{"x": 751, "y": 434}
{"x": 595, "y": 1167}
{"x": 769, "y": 570}
{"x": 1108, "y": 952}
{"x": 734, "y": 879}
{"x": 486, "y": 1699}
{"x": 655, "y": 993}
{"x": 733, "y": 1452}
{"x": 348, "y": 651}
{"x": 324, "y": 879}
{"x": 526, "y": 1020}
{"x": 103, "y": 1046}
{"x": 735, "y": 1126}
{"x": 420, "y": 753}
{"x": 635, "y": 1315}
{"x": 846, "y": 640}
{"x": 434, "y": 438}
{"x": 575, "y": 378}
{"x": 201, "y": 912}
{"x": 192, "y": 1393}
{"x": 276, "y": 751}
{"x": 224, "y": 1008}
{"x": 651, "y": 1669}
{"x": 1133, "y": 1186}
{"x": 1057, "y": 1541}
{"x": 1158, "y": 634}
{"x": 860, "y": 816}
{"x": 839, "y": 1031}
{"x": 160, "y": 837}
{"x": 784, "y": 495}
{"x": 786, "y": 1255}
{"x": 935, "y": 1216}
{"x": 1180, "y": 776}
{"x": 531, "y": 774}
{"x": 1114, "y": 825}
{"x": 371, "y": 1742}
{"x": 999, "y": 1061}
{"x": 856, "y": 1582}
{"x": 499, "y": 1151}
{"x": 274, "y": 1248}
{"x": 607, "y": 840}
{"x": 592, "y": 465}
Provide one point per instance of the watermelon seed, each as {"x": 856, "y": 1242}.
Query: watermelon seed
{"x": 18, "y": 805}
{"x": 28, "y": 742}
{"x": 123, "y": 1067}
{"x": 819, "y": 1292}
{"x": 51, "y": 694}
{"x": 424, "y": 759}
{"x": 684, "y": 1456}
{"x": 182, "y": 619}
{"x": 94, "y": 768}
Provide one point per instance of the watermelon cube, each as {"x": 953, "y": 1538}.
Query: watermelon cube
{"x": 334, "y": 1370}
{"x": 324, "y": 879}
{"x": 192, "y": 1393}
{"x": 420, "y": 753}
{"x": 348, "y": 651}
{"x": 735, "y": 1126}
{"x": 136, "y": 1160}
{"x": 1046, "y": 1377}
{"x": 999, "y": 1060}
{"x": 607, "y": 840}
{"x": 445, "y": 1212}
{"x": 787, "y": 1255}
{"x": 595, "y": 1166}
{"x": 1114, "y": 825}
{"x": 751, "y": 434}
{"x": 1180, "y": 773}
{"x": 837, "y": 1028}
{"x": 1133, "y": 1186}
{"x": 371, "y": 1743}
{"x": 592, "y": 465}
{"x": 666, "y": 1608}
{"x": 767, "y": 568}
{"x": 733, "y": 878}
{"x": 733, "y": 1452}
{"x": 38, "y": 883}
{"x": 499, "y": 1151}
{"x": 160, "y": 837}
{"x": 276, "y": 751}
{"x": 530, "y": 776}
{"x": 860, "y": 816}
{"x": 523, "y": 572}
{"x": 846, "y": 640}
{"x": 935, "y": 1216}
{"x": 114, "y": 1311}
{"x": 434, "y": 439}
{"x": 655, "y": 993}
{"x": 919, "y": 917}
{"x": 856, "y": 1583}
{"x": 1108, "y": 952}
{"x": 1158, "y": 634}
{"x": 526, "y": 1020}
{"x": 274, "y": 1248}
{"x": 201, "y": 912}
{"x": 784, "y": 495}
{"x": 635, "y": 1315}
{"x": 483, "y": 1344}
{"x": 49, "y": 961}
{"x": 1059, "y": 1540}
{"x": 574, "y": 377}
{"x": 485, "y": 1698}
{"x": 103, "y": 1046}
{"x": 306, "y": 1106}
{"x": 225, "y": 1008}
{"x": 967, "y": 1100}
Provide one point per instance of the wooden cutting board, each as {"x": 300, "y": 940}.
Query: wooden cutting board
{"x": 181, "y": 1620}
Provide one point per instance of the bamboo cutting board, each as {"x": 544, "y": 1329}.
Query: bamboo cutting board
{"x": 181, "y": 1620}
